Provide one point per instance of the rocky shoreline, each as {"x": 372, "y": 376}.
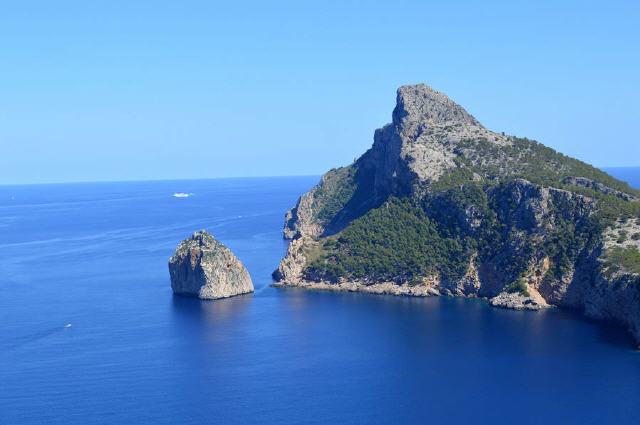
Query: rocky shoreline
{"x": 385, "y": 288}
{"x": 442, "y": 206}
{"x": 513, "y": 301}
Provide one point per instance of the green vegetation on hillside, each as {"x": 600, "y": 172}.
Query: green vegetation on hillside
{"x": 335, "y": 191}
{"x": 472, "y": 209}
{"x": 461, "y": 175}
{"x": 518, "y": 286}
{"x": 403, "y": 240}
{"x": 610, "y": 207}
{"x": 567, "y": 240}
{"x": 532, "y": 161}
{"x": 541, "y": 165}
{"x": 499, "y": 227}
{"x": 627, "y": 259}
{"x": 394, "y": 242}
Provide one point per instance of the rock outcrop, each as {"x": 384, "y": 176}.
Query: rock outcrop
{"x": 440, "y": 205}
{"x": 203, "y": 267}
{"x": 598, "y": 187}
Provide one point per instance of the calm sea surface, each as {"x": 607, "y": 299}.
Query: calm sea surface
{"x": 94, "y": 256}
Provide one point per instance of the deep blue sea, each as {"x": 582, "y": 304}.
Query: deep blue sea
{"x": 94, "y": 256}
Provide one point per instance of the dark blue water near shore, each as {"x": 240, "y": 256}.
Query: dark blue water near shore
{"x": 94, "y": 256}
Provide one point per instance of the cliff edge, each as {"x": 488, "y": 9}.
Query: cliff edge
{"x": 440, "y": 205}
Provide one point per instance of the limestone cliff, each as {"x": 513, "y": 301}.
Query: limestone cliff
{"x": 203, "y": 267}
{"x": 442, "y": 205}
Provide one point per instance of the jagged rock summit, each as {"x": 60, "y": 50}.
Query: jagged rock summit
{"x": 203, "y": 267}
{"x": 440, "y": 205}
{"x": 423, "y": 105}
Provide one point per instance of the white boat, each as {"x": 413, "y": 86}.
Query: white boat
{"x": 181, "y": 195}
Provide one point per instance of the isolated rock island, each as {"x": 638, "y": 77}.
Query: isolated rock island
{"x": 203, "y": 267}
{"x": 440, "y": 205}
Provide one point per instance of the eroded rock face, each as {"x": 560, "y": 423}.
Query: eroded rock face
{"x": 415, "y": 149}
{"x": 615, "y": 298}
{"x": 203, "y": 267}
{"x": 536, "y": 217}
{"x": 599, "y": 187}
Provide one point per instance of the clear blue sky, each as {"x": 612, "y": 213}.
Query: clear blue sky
{"x": 127, "y": 90}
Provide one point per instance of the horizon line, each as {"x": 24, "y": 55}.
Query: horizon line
{"x": 158, "y": 180}
{"x": 211, "y": 178}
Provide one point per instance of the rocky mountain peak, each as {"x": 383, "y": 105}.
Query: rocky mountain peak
{"x": 441, "y": 205}
{"x": 420, "y": 103}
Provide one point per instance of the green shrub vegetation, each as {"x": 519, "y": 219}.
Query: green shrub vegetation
{"x": 403, "y": 240}
{"x": 539, "y": 164}
{"x": 471, "y": 209}
{"x": 622, "y": 236}
{"x": 334, "y": 193}
{"x": 518, "y": 286}
{"x": 623, "y": 258}
{"x": 455, "y": 177}
{"x": 394, "y": 242}
{"x": 535, "y": 162}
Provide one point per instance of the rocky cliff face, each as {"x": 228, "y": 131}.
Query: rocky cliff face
{"x": 442, "y": 205}
{"x": 203, "y": 267}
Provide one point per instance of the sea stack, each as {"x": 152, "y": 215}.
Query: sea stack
{"x": 203, "y": 267}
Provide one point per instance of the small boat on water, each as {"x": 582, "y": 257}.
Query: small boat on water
{"x": 181, "y": 195}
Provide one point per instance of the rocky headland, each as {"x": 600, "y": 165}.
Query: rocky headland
{"x": 203, "y": 267}
{"x": 440, "y": 205}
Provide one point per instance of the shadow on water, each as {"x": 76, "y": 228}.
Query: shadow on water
{"x": 608, "y": 332}
{"x": 469, "y": 314}
{"x": 192, "y": 309}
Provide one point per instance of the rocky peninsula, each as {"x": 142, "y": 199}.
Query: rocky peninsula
{"x": 440, "y": 205}
{"x": 203, "y": 267}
